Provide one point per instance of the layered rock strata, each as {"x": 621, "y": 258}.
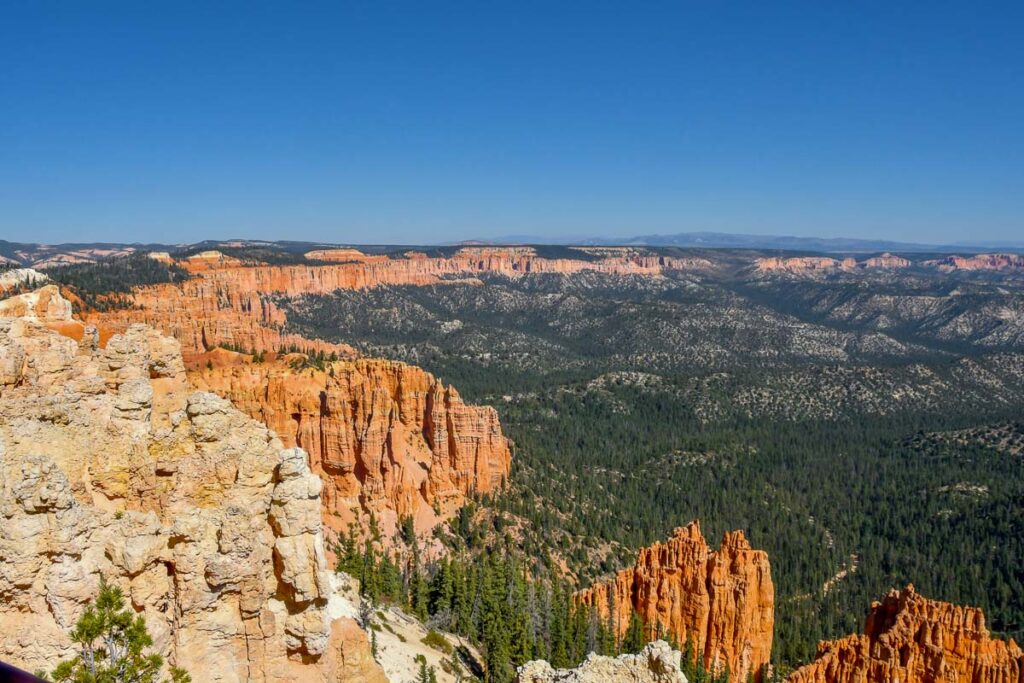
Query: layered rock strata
{"x": 111, "y": 466}
{"x": 911, "y": 639}
{"x": 804, "y": 265}
{"x": 1002, "y": 262}
{"x": 656, "y": 663}
{"x": 386, "y": 438}
{"x": 722, "y": 602}
{"x": 227, "y": 301}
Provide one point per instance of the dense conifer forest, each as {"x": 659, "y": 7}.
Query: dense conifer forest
{"x": 632, "y": 413}
{"x": 105, "y": 285}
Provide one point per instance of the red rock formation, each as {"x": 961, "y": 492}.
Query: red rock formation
{"x": 721, "y": 601}
{"x": 225, "y": 304}
{"x": 911, "y": 639}
{"x": 979, "y": 262}
{"x": 386, "y": 438}
{"x": 203, "y": 315}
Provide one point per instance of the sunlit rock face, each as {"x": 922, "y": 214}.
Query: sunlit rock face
{"x": 911, "y": 639}
{"x": 110, "y": 465}
{"x": 387, "y": 439}
{"x": 720, "y": 601}
{"x": 225, "y": 301}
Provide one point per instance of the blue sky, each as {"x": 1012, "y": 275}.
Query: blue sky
{"x": 433, "y": 121}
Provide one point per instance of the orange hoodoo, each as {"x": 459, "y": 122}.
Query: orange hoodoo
{"x": 911, "y": 639}
{"x": 721, "y": 601}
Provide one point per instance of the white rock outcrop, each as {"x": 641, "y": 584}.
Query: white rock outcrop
{"x": 656, "y": 663}
{"x": 111, "y": 466}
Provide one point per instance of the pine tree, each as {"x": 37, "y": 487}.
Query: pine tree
{"x": 636, "y": 635}
{"x": 111, "y": 640}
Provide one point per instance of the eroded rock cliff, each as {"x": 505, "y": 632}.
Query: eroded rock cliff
{"x": 656, "y": 663}
{"x": 721, "y": 601}
{"x": 226, "y": 302}
{"x": 809, "y": 265}
{"x": 111, "y": 466}
{"x": 1003, "y": 262}
{"x": 911, "y": 639}
{"x": 385, "y": 437}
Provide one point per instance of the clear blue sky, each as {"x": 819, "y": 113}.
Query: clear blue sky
{"x": 431, "y": 121}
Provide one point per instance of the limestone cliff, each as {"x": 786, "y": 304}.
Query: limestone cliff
{"x": 722, "y": 602}
{"x": 385, "y": 437}
{"x": 911, "y": 639}
{"x": 656, "y": 663}
{"x": 111, "y": 466}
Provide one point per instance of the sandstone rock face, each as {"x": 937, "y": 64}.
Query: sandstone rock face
{"x": 226, "y": 303}
{"x": 979, "y": 262}
{"x": 723, "y": 602}
{"x": 911, "y": 639}
{"x": 111, "y": 466}
{"x": 20, "y": 276}
{"x": 45, "y": 303}
{"x": 656, "y": 663}
{"x": 203, "y": 315}
{"x": 804, "y": 264}
{"x": 888, "y": 261}
{"x": 386, "y": 438}
{"x": 811, "y": 265}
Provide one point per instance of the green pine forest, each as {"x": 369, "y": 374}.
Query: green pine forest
{"x": 621, "y": 433}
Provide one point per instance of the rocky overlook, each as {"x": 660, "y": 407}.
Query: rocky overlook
{"x": 388, "y": 439}
{"x": 110, "y": 465}
{"x": 721, "y": 601}
{"x": 912, "y": 639}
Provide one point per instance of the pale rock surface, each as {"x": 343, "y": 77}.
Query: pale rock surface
{"x": 656, "y": 663}
{"x": 400, "y": 639}
{"x": 18, "y": 276}
{"x": 111, "y": 466}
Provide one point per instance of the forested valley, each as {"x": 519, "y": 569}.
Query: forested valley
{"x": 638, "y": 406}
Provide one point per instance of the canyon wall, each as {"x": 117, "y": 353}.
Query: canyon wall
{"x": 226, "y": 300}
{"x": 803, "y": 265}
{"x": 1002, "y": 262}
{"x": 110, "y": 465}
{"x": 810, "y": 265}
{"x": 911, "y": 639}
{"x": 203, "y": 314}
{"x": 386, "y": 438}
{"x": 722, "y": 601}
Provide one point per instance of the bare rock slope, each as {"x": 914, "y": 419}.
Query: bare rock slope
{"x": 656, "y": 663}
{"x": 111, "y": 466}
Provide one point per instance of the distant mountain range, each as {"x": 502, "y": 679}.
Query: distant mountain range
{"x": 771, "y": 242}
